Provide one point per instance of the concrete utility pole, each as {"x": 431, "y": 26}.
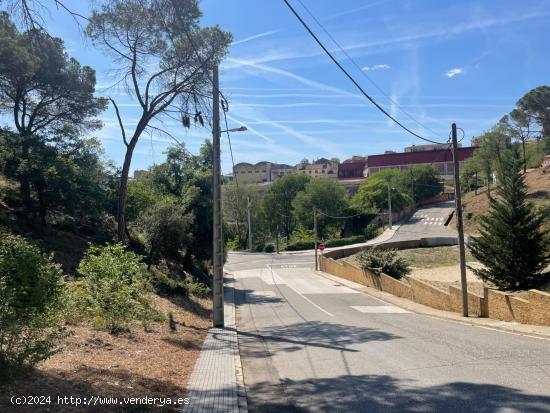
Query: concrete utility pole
{"x": 249, "y": 225}
{"x": 389, "y": 204}
{"x": 459, "y": 225}
{"x": 315, "y": 237}
{"x": 217, "y": 248}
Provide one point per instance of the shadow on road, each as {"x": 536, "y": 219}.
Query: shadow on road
{"x": 379, "y": 393}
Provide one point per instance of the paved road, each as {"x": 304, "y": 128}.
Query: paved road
{"x": 427, "y": 222}
{"x": 309, "y": 344}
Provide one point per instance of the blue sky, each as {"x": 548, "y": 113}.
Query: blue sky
{"x": 440, "y": 61}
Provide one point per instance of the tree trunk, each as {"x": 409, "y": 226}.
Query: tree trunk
{"x": 524, "y": 156}
{"x": 123, "y": 192}
{"x": 41, "y": 205}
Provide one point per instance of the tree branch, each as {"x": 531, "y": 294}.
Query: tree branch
{"x": 119, "y": 121}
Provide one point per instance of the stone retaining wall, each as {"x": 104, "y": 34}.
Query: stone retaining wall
{"x": 494, "y": 304}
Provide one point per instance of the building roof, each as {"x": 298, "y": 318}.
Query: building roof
{"x": 352, "y": 166}
{"x": 408, "y": 158}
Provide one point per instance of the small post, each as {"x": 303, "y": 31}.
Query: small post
{"x": 249, "y": 225}
{"x": 315, "y": 237}
{"x": 389, "y": 205}
{"x": 277, "y": 238}
{"x": 217, "y": 248}
{"x": 460, "y": 225}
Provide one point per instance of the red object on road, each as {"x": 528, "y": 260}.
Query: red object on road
{"x": 321, "y": 247}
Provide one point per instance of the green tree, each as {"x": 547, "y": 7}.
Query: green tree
{"x": 31, "y": 305}
{"x": 167, "y": 230}
{"x": 421, "y": 182}
{"x": 276, "y": 205}
{"x": 491, "y": 148}
{"x": 536, "y": 103}
{"x": 372, "y": 194}
{"x": 67, "y": 176}
{"x": 235, "y": 201}
{"x": 44, "y": 91}
{"x": 512, "y": 246}
{"x": 164, "y": 58}
{"x": 113, "y": 288}
{"x": 329, "y": 199}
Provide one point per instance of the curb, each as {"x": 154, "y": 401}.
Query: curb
{"x": 480, "y": 322}
{"x": 239, "y": 376}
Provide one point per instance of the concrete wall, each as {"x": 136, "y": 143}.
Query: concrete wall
{"x": 476, "y": 306}
{"x": 540, "y": 307}
{"x": 494, "y": 304}
{"x": 424, "y": 293}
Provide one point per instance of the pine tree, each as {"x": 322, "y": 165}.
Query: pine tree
{"x": 512, "y": 247}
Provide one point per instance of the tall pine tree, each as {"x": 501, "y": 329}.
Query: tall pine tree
{"x": 512, "y": 247}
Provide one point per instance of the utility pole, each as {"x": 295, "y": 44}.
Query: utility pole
{"x": 459, "y": 225}
{"x": 249, "y": 226}
{"x": 217, "y": 247}
{"x": 389, "y": 204}
{"x": 315, "y": 237}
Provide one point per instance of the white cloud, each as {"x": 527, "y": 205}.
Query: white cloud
{"x": 382, "y": 66}
{"x": 454, "y": 72}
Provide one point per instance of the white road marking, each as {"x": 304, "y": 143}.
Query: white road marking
{"x": 304, "y": 297}
{"x": 379, "y": 309}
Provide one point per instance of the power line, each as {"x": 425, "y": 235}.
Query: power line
{"x": 380, "y": 108}
{"x": 362, "y": 72}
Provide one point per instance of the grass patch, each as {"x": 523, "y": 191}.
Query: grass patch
{"x": 433, "y": 257}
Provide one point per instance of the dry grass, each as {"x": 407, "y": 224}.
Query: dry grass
{"x": 475, "y": 205}
{"x": 157, "y": 362}
{"x": 427, "y": 257}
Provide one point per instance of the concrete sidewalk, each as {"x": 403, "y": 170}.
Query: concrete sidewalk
{"x": 216, "y": 384}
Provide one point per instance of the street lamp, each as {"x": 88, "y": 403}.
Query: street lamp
{"x": 239, "y": 129}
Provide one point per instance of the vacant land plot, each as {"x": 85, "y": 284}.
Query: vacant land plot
{"x": 155, "y": 362}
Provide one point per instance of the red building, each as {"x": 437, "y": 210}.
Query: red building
{"x": 352, "y": 170}
{"x": 441, "y": 159}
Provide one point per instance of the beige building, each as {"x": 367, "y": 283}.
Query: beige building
{"x": 260, "y": 172}
{"x": 320, "y": 168}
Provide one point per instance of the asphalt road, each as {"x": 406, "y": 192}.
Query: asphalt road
{"x": 309, "y": 344}
{"x": 427, "y": 222}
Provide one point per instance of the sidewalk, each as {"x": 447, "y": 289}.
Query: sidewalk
{"x": 216, "y": 384}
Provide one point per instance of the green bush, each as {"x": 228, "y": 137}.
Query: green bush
{"x": 269, "y": 248}
{"x": 199, "y": 290}
{"x": 31, "y": 305}
{"x": 371, "y": 231}
{"x": 114, "y": 288}
{"x": 163, "y": 284}
{"x": 300, "y": 245}
{"x": 232, "y": 244}
{"x": 383, "y": 261}
{"x": 344, "y": 241}
{"x": 259, "y": 247}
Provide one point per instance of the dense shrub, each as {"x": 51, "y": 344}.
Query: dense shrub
{"x": 163, "y": 284}
{"x": 269, "y": 248}
{"x": 31, "y": 305}
{"x": 114, "y": 288}
{"x": 199, "y": 290}
{"x": 344, "y": 241}
{"x": 259, "y": 247}
{"x": 383, "y": 261}
{"x": 300, "y": 245}
{"x": 371, "y": 231}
